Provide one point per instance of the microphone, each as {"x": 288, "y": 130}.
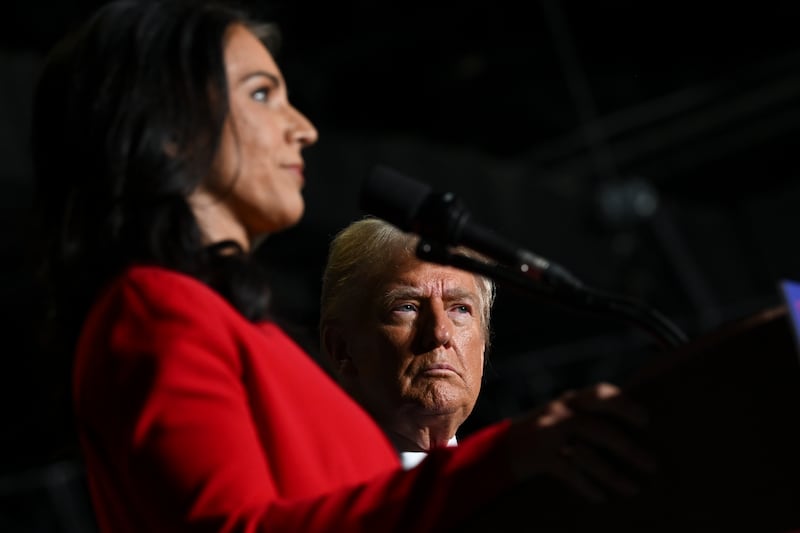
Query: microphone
{"x": 442, "y": 218}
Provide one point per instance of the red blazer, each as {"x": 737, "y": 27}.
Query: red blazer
{"x": 192, "y": 418}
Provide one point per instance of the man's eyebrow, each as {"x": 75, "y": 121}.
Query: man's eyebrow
{"x": 459, "y": 293}
{"x": 409, "y": 291}
{"x": 400, "y": 293}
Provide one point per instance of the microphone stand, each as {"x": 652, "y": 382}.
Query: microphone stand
{"x": 554, "y": 284}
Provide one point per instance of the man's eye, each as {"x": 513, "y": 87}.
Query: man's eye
{"x": 462, "y": 309}
{"x": 406, "y": 308}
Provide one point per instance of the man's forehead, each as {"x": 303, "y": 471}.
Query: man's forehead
{"x": 428, "y": 280}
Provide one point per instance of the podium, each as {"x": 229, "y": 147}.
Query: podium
{"x": 725, "y": 429}
{"x": 725, "y": 426}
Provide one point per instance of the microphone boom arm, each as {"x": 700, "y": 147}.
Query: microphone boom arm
{"x": 552, "y": 283}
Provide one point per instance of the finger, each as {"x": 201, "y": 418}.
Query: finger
{"x": 598, "y": 471}
{"x": 574, "y": 479}
{"x": 601, "y": 434}
{"x": 608, "y": 399}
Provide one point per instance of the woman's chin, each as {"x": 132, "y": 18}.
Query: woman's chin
{"x": 288, "y": 218}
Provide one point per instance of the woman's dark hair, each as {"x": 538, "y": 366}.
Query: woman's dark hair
{"x": 128, "y": 114}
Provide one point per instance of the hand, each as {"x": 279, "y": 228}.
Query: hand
{"x": 586, "y": 440}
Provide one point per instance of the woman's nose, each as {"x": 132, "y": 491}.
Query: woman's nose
{"x": 301, "y": 129}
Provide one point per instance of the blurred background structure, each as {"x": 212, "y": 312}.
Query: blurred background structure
{"x": 649, "y": 147}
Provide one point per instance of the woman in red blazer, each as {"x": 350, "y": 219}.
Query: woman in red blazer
{"x": 165, "y": 147}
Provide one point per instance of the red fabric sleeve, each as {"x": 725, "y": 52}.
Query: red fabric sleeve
{"x": 171, "y": 443}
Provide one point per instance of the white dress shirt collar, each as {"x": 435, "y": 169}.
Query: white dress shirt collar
{"x": 412, "y": 459}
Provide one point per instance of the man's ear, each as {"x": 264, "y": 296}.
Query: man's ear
{"x": 334, "y": 344}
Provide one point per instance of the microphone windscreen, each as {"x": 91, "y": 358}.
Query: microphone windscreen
{"x": 392, "y": 196}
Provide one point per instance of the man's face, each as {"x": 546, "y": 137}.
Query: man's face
{"x": 417, "y": 344}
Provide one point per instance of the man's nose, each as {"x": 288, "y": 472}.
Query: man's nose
{"x": 437, "y": 328}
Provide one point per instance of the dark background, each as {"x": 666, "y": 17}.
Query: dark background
{"x": 648, "y": 147}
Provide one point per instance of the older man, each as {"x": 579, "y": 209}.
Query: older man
{"x": 407, "y": 338}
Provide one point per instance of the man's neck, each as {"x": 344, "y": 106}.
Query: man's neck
{"x": 422, "y": 438}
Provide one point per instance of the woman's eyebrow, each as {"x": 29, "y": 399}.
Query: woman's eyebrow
{"x": 261, "y": 73}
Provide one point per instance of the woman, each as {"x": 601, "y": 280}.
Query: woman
{"x": 165, "y": 149}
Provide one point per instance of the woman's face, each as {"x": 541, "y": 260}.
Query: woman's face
{"x": 257, "y": 175}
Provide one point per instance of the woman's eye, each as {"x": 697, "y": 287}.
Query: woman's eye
{"x": 261, "y": 94}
